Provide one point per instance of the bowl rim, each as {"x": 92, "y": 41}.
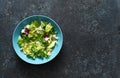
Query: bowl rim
{"x": 44, "y": 16}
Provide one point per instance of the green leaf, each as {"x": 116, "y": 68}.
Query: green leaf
{"x": 48, "y": 27}
{"x": 36, "y": 23}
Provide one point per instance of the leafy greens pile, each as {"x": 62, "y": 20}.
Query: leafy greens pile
{"x": 37, "y": 39}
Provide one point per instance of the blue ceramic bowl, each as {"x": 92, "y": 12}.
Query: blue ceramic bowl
{"x": 28, "y": 20}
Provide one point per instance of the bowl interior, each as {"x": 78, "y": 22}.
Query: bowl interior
{"x": 28, "y": 20}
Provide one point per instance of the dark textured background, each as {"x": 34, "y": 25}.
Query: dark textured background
{"x": 91, "y": 32}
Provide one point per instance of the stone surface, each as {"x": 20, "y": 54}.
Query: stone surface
{"x": 91, "y": 32}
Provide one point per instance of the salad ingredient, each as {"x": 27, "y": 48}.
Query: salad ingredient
{"x": 38, "y": 39}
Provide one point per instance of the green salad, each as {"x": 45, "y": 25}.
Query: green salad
{"x": 37, "y": 39}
